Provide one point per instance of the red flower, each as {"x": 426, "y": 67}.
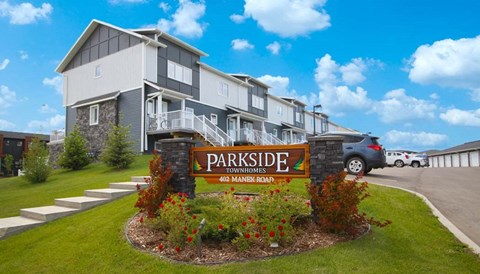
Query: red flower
{"x": 169, "y": 199}
{"x": 271, "y": 192}
{"x": 232, "y": 189}
{"x": 162, "y": 205}
{"x": 280, "y": 227}
{"x": 141, "y": 220}
{"x": 160, "y": 246}
{"x": 183, "y": 200}
{"x": 249, "y": 217}
{"x": 194, "y": 217}
{"x": 252, "y": 221}
{"x": 264, "y": 228}
{"x": 308, "y": 203}
{"x": 288, "y": 180}
{"x": 185, "y": 228}
{"x": 194, "y": 232}
{"x": 173, "y": 202}
{"x": 244, "y": 223}
{"x": 225, "y": 193}
{"x": 177, "y": 248}
{"x": 286, "y": 199}
{"x": 284, "y": 221}
{"x": 220, "y": 227}
{"x": 257, "y": 235}
{"x": 189, "y": 239}
{"x": 277, "y": 190}
{"x": 247, "y": 199}
{"x": 282, "y": 234}
{"x": 247, "y": 235}
{"x": 272, "y": 234}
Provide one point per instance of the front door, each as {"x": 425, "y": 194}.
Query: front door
{"x": 232, "y": 128}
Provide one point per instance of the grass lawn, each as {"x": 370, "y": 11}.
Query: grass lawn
{"x": 93, "y": 241}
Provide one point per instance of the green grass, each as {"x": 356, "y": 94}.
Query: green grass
{"x": 93, "y": 242}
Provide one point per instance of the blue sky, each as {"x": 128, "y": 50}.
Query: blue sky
{"x": 406, "y": 70}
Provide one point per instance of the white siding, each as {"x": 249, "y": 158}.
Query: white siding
{"x": 286, "y": 114}
{"x": 120, "y": 71}
{"x": 151, "y": 63}
{"x": 474, "y": 159}
{"x": 209, "y": 85}
{"x": 309, "y": 123}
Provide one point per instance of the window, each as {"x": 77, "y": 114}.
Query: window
{"x": 275, "y": 132}
{"x": 94, "y": 115}
{"x": 299, "y": 117}
{"x": 223, "y": 89}
{"x": 189, "y": 110}
{"x": 279, "y": 110}
{"x": 98, "y": 71}
{"x": 257, "y": 102}
{"x": 179, "y": 73}
{"x": 214, "y": 118}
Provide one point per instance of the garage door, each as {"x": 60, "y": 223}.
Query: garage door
{"x": 464, "y": 159}
{"x": 441, "y": 161}
{"x": 434, "y": 161}
{"x": 448, "y": 160}
{"x": 474, "y": 159}
{"x": 455, "y": 160}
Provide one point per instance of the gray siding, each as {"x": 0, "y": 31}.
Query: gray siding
{"x": 262, "y": 93}
{"x": 102, "y": 42}
{"x": 183, "y": 57}
{"x": 130, "y": 106}
{"x": 71, "y": 114}
{"x": 301, "y": 110}
{"x": 201, "y": 109}
{"x": 269, "y": 129}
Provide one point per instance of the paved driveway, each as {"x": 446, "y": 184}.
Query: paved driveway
{"x": 455, "y": 192}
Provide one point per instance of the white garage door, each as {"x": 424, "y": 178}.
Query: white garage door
{"x": 455, "y": 160}
{"x": 448, "y": 160}
{"x": 441, "y": 161}
{"x": 474, "y": 159}
{"x": 434, "y": 161}
{"x": 464, "y": 159}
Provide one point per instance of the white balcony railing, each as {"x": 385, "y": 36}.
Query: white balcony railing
{"x": 57, "y": 135}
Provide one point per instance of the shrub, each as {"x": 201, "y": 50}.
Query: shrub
{"x": 74, "y": 156}
{"x": 336, "y": 205}
{"x": 150, "y": 198}
{"x": 118, "y": 150}
{"x": 36, "y": 166}
{"x": 8, "y": 164}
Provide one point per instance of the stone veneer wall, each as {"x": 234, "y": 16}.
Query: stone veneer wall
{"x": 177, "y": 153}
{"x": 55, "y": 148}
{"x": 96, "y": 135}
{"x": 326, "y": 155}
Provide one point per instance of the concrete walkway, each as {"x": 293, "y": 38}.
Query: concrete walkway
{"x": 32, "y": 217}
{"x": 453, "y": 194}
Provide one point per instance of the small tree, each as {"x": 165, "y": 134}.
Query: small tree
{"x": 74, "y": 156}
{"x": 8, "y": 164}
{"x": 118, "y": 151}
{"x": 36, "y": 166}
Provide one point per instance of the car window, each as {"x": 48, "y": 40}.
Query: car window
{"x": 352, "y": 139}
{"x": 375, "y": 141}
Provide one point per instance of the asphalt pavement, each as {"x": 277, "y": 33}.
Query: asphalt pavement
{"x": 455, "y": 192}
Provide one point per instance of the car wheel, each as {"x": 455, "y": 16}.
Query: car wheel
{"x": 355, "y": 165}
{"x": 368, "y": 170}
{"x": 416, "y": 164}
{"x": 399, "y": 163}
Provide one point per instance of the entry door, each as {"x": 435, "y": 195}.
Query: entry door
{"x": 232, "y": 128}
{"x": 248, "y": 133}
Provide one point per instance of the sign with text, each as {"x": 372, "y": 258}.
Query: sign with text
{"x": 250, "y": 164}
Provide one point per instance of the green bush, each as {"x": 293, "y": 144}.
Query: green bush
{"x": 36, "y": 166}
{"x": 75, "y": 155}
{"x": 8, "y": 164}
{"x": 118, "y": 151}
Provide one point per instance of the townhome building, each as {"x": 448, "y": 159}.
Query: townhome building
{"x": 159, "y": 86}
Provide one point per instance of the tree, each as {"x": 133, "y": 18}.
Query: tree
{"x": 74, "y": 156}
{"x": 118, "y": 150}
{"x": 8, "y": 164}
{"x": 36, "y": 166}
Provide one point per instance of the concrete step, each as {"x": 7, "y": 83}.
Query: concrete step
{"x": 139, "y": 179}
{"x": 14, "y": 225}
{"x": 109, "y": 193}
{"x": 47, "y": 213}
{"x": 128, "y": 185}
{"x": 81, "y": 202}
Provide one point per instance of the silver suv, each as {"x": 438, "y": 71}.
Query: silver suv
{"x": 361, "y": 152}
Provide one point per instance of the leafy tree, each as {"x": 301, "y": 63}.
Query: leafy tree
{"x": 36, "y": 165}
{"x": 8, "y": 164}
{"x": 118, "y": 150}
{"x": 75, "y": 155}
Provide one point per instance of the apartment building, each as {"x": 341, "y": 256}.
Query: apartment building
{"x": 159, "y": 86}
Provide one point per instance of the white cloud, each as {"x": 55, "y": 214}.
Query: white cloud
{"x": 462, "y": 117}
{"x": 280, "y": 87}
{"x": 288, "y": 18}
{"x": 55, "y": 122}
{"x": 274, "y": 47}
{"x": 164, "y": 6}
{"x": 241, "y": 44}
{"x": 23, "y": 55}
{"x": 475, "y": 94}
{"x": 4, "y": 125}
{"x": 336, "y": 100}
{"x": 434, "y": 96}
{"x": 185, "y": 20}
{"x": 237, "y": 18}
{"x": 45, "y": 108}
{"x": 24, "y": 13}
{"x": 325, "y": 73}
{"x": 55, "y": 82}
{"x": 7, "y": 97}
{"x": 447, "y": 63}
{"x": 352, "y": 73}
{"x": 421, "y": 139}
{"x": 117, "y": 2}
{"x": 397, "y": 106}
{"x": 4, "y": 64}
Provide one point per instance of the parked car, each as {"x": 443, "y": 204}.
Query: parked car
{"x": 397, "y": 158}
{"x": 361, "y": 152}
{"x": 419, "y": 160}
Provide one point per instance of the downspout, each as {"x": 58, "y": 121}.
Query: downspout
{"x": 143, "y": 135}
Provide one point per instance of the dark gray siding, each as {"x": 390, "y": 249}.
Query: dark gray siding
{"x": 262, "y": 93}
{"x": 201, "y": 109}
{"x": 130, "y": 106}
{"x": 301, "y": 110}
{"x": 183, "y": 57}
{"x": 71, "y": 114}
{"x": 102, "y": 42}
{"x": 269, "y": 129}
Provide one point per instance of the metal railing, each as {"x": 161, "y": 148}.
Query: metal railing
{"x": 57, "y": 135}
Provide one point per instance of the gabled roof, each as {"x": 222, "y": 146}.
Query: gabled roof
{"x": 293, "y": 100}
{"x": 250, "y": 78}
{"x": 220, "y": 73}
{"x": 295, "y": 128}
{"x": 474, "y": 145}
{"x": 86, "y": 34}
{"x": 96, "y": 100}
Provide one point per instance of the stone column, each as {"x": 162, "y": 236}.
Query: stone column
{"x": 55, "y": 149}
{"x": 326, "y": 154}
{"x": 176, "y": 152}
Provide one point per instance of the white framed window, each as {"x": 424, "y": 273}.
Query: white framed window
{"x": 279, "y": 110}
{"x": 223, "y": 89}
{"x": 98, "y": 71}
{"x": 94, "y": 114}
{"x": 299, "y": 117}
{"x": 257, "y": 102}
{"x": 275, "y": 132}
{"x": 214, "y": 118}
{"x": 178, "y": 72}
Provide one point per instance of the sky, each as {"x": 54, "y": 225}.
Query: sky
{"x": 408, "y": 71}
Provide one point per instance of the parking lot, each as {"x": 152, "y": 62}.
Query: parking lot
{"x": 455, "y": 192}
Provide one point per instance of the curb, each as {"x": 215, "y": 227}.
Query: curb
{"x": 445, "y": 222}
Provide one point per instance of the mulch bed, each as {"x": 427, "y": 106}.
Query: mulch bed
{"x": 308, "y": 237}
